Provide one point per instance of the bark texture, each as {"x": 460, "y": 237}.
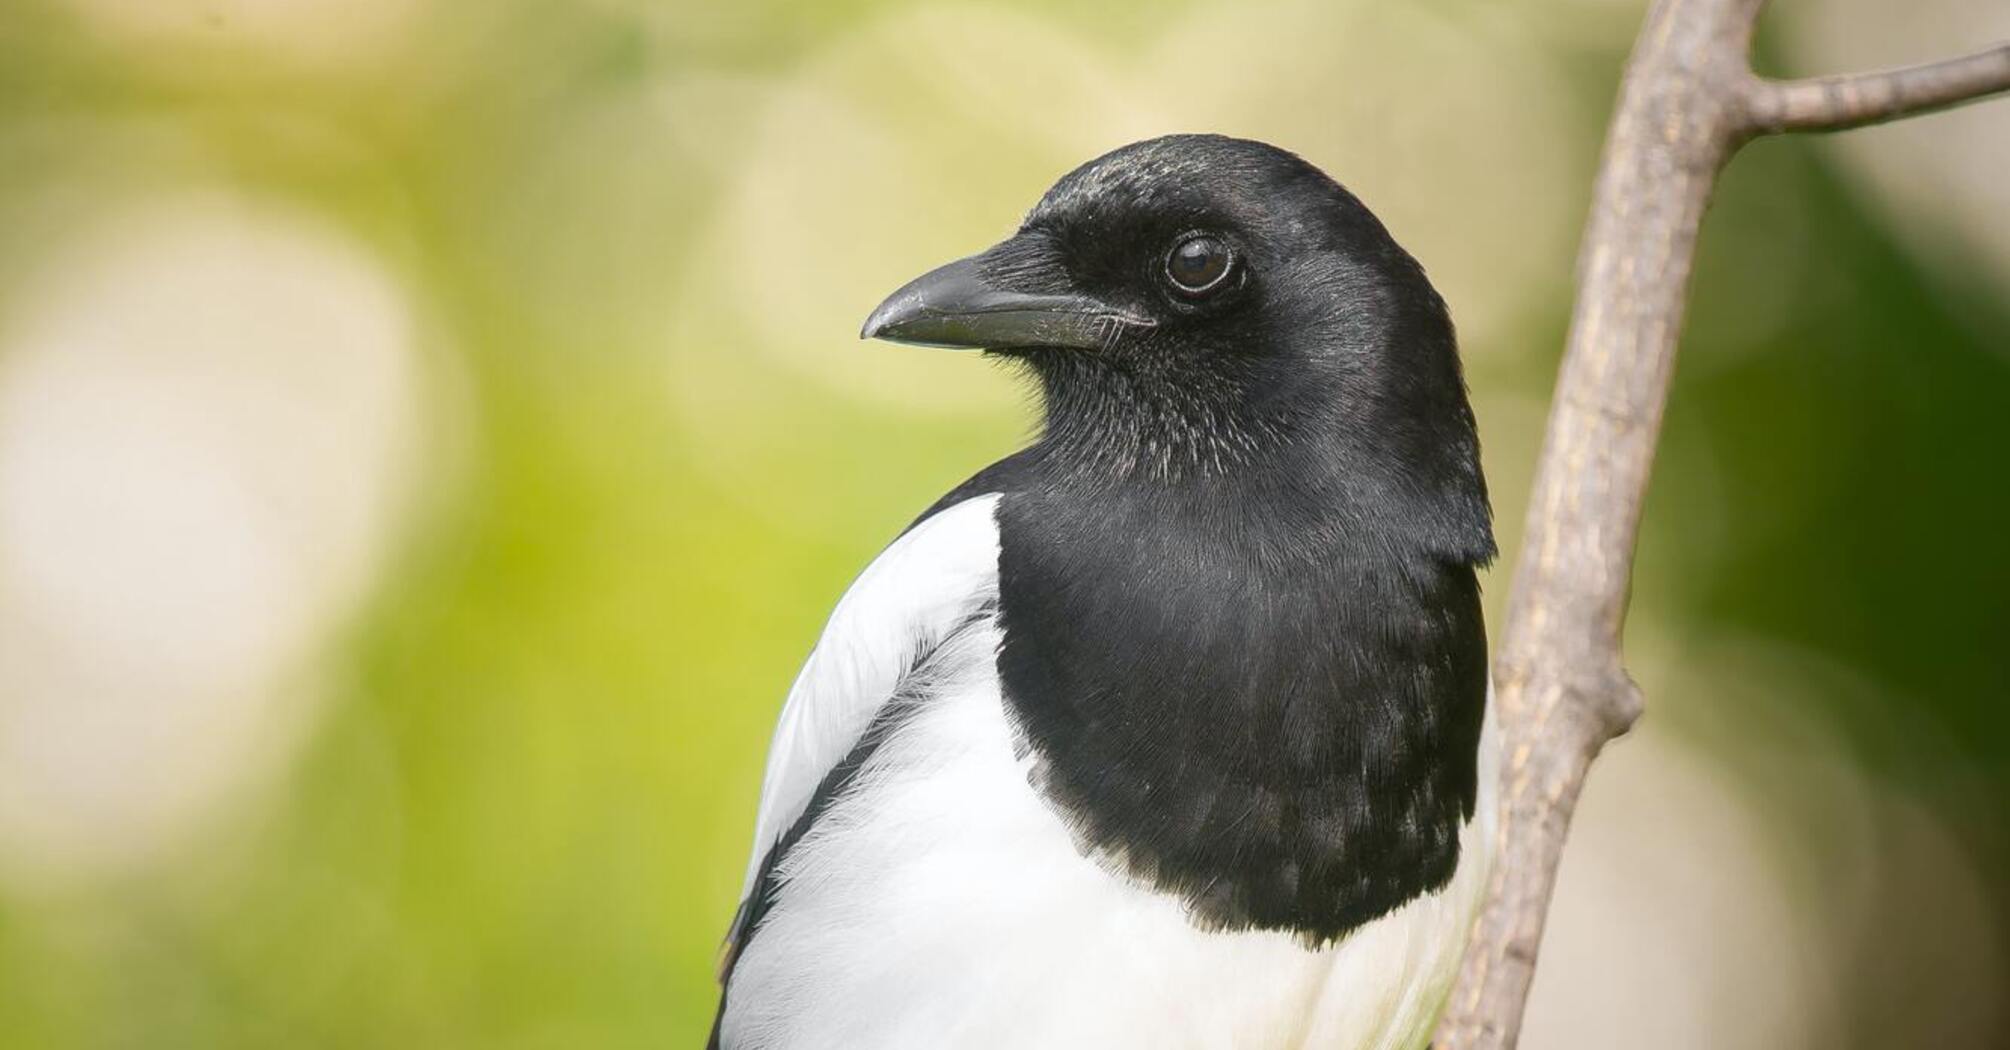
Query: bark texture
{"x": 1687, "y": 101}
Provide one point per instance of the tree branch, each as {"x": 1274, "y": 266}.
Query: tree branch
{"x": 1857, "y": 99}
{"x": 1687, "y": 101}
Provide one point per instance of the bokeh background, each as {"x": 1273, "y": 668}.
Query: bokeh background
{"x": 432, "y": 432}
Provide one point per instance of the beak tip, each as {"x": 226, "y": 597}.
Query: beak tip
{"x": 880, "y": 320}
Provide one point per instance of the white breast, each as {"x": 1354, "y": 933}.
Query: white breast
{"x": 941, "y": 903}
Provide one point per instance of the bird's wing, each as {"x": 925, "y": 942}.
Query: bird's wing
{"x": 905, "y": 604}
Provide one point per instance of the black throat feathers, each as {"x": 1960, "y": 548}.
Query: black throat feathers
{"x": 1275, "y": 718}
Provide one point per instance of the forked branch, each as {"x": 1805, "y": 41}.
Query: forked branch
{"x": 1688, "y": 100}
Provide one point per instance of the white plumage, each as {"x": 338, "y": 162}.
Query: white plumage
{"x": 901, "y": 606}
{"x": 941, "y": 902}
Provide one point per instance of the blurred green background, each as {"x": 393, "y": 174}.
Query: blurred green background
{"x": 431, "y": 433}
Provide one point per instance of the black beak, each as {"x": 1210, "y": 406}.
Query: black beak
{"x": 959, "y": 305}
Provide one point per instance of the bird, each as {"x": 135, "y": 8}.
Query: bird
{"x": 1169, "y": 729}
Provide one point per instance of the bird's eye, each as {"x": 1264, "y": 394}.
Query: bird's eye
{"x": 1199, "y": 265}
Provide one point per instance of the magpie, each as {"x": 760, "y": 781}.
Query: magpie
{"x": 1170, "y": 729}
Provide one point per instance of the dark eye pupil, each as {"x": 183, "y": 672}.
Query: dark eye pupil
{"x": 1197, "y": 264}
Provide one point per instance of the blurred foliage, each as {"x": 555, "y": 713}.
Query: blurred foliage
{"x": 520, "y": 819}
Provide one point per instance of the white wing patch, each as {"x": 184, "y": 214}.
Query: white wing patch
{"x": 900, "y": 608}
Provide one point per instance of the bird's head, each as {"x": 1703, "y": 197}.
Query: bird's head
{"x": 1197, "y": 306}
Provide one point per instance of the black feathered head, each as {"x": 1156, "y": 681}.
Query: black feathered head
{"x": 1196, "y": 305}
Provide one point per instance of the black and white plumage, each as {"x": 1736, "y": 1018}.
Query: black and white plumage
{"x": 1168, "y": 730}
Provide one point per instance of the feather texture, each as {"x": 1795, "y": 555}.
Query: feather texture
{"x": 898, "y": 610}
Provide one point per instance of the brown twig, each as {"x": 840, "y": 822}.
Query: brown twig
{"x": 1856, "y": 99}
{"x": 1688, "y": 100}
